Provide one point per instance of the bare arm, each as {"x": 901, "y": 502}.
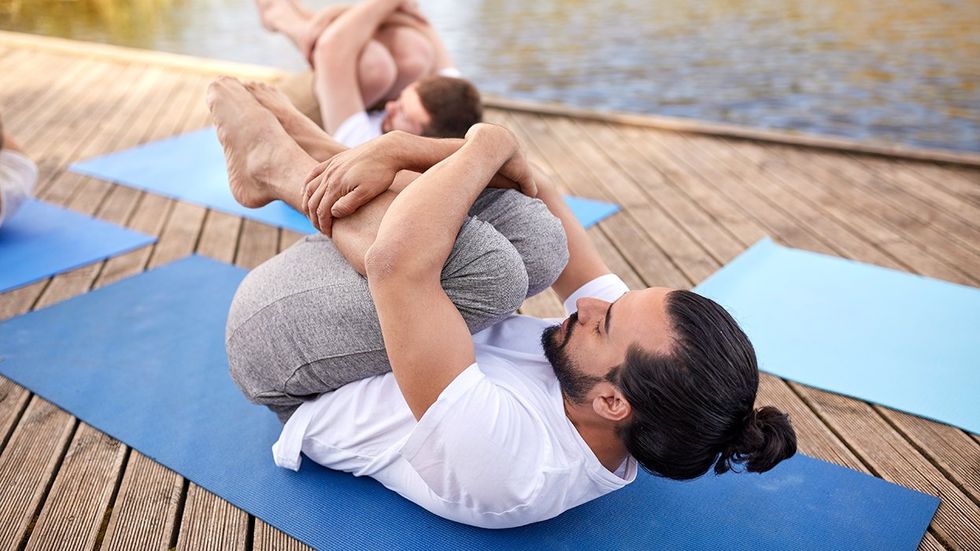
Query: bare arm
{"x": 341, "y": 46}
{"x": 341, "y": 185}
{"x": 584, "y": 262}
{"x": 426, "y": 339}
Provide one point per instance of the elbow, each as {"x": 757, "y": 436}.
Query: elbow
{"x": 390, "y": 261}
{"x": 379, "y": 262}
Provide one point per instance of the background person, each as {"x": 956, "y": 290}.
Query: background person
{"x": 378, "y": 66}
{"x": 18, "y": 176}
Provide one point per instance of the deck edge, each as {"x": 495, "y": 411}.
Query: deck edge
{"x": 660, "y": 122}
{"x": 694, "y": 126}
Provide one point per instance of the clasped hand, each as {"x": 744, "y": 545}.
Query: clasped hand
{"x": 341, "y": 185}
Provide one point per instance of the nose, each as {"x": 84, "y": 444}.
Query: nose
{"x": 390, "y": 106}
{"x": 589, "y": 308}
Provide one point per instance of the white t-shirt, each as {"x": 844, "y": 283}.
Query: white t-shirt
{"x": 365, "y": 126}
{"x": 495, "y": 450}
{"x": 18, "y": 175}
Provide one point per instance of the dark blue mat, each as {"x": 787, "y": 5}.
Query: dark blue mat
{"x": 901, "y": 340}
{"x": 148, "y": 367}
{"x": 191, "y": 167}
{"x": 41, "y": 240}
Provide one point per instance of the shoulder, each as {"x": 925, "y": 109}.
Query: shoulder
{"x": 480, "y": 444}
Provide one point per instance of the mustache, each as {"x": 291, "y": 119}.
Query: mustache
{"x": 572, "y": 322}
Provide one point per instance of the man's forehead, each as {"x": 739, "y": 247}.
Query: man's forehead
{"x": 641, "y": 317}
{"x": 412, "y": 105}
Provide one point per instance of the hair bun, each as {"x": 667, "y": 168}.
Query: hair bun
{"x": 767, "y": 437}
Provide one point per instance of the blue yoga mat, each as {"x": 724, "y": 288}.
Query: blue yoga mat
{"x": 191, "y": 167}
{"x": 41, "y": 240}
{"x": 590, "y": 211}
{"x": 901, "y": 340}
{"x": 148, "y": 367}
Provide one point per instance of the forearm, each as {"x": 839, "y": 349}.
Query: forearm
{"x": 584, "y": 263}
{"x": 351, "y": 30}
{"x": 418, "y": 154}
{"x": 417, "y": 233}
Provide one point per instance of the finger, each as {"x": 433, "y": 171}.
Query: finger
{"x": 313, "y": 205}
{"x": 348, "y": 204}
{"x": 323, "y": 214}
{"x": 335, "y": 193}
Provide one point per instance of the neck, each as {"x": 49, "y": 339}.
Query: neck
{"x": 598, "y": 433}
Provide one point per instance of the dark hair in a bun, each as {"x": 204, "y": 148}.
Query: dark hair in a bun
{"x": 693, "y": 406}
{"x": 765, "y": 439}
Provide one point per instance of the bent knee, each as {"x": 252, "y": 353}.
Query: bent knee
{"x": 376, "y": 69}
{"x": 545, "y": 252}
{"x": 484, "y": 275}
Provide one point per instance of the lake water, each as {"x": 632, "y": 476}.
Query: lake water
{"x": 884, "y": 70}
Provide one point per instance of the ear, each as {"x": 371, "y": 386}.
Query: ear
{"x": 609, "y": 403}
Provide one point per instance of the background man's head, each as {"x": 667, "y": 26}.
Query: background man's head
{"x": 436, "y": 106}
{"x": 677, "y": 375}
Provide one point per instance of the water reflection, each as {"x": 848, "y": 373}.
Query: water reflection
{"x": 888, "y": 70}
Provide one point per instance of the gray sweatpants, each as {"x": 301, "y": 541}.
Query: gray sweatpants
{"x": 304, "y": 323}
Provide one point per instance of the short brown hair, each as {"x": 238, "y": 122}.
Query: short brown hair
{"x": 453, "y": 104}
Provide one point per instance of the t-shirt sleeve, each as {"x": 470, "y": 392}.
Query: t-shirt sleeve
{"x": 357, "y": 129}
{"x": 18, "y": 175}
{"x": 451, "y": 72}
{"x": 478, "y": 447}
{"x": 606, "y": 287}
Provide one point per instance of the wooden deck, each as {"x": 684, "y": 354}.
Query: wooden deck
{"x": 692, "y": 202}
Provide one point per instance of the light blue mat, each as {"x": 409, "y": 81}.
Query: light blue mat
{"x": 41, "y": 240}
{"x": 143, "y": 360}
{"x": 901, "y": 340}
{"x": 191, "y": 167}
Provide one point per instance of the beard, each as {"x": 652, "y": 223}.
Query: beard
{"x": 573, "y": 382}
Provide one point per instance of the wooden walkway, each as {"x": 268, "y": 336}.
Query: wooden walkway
{"x": 692, "y": 203}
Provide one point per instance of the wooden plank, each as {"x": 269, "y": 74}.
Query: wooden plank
{"x": 724, "y": 130}
{"x": 804, "y": 184}
{"x": 693, "y": 260}
{"x": 622, "y": 232}
{"x": 27, "y": 464}
{"x": 962, "y": 181}
{"x": 735, "y": 171}
{"x": 219, "y": 236}
{"x": 958, "y": 212}
{"x": 258, "y": 242}
{"x": 268, "y": 538}
{"x": 113, "y": 53}
{"x": 714, "y": 238}
{"x": 892, "y": 207}
{"x": 209, "y": 522}
{"x": 287, "y": 238}
{"x": 146, "y": 509}
{"x": 953, "y": 451}
{"x": 80, "y": 494}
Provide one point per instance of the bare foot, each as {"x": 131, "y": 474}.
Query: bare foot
{"x": 257, "y": 149}
{"x": 275, "y": 14}
{"x": 317, "y": 143}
